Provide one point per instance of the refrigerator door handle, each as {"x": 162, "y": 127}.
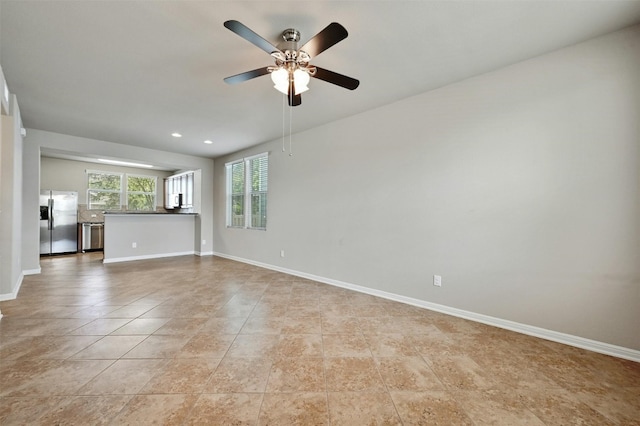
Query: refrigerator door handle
{"x": 50, "y": 214}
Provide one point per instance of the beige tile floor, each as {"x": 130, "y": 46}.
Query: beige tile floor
{"x": 192, "y": 340}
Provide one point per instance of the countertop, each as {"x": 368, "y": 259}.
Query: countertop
{"x": 148, "y": 213}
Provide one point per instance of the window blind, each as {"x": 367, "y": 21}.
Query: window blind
{"x": 247, "y": 181}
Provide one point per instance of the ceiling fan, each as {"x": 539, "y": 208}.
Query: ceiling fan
{"x": 292, "y": 70}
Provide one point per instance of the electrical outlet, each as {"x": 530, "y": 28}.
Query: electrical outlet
{"x": 281, "y": 253}
{"x": 204, "y": 242}
{"x": 437, "y": 280}
{"x": 134, "y": 245}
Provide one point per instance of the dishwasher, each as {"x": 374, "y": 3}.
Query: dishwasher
{"x": 92, "y": 236}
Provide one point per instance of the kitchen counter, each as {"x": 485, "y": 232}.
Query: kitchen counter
{"x": 148, "y": 213}
{"x": 135, "y": 236}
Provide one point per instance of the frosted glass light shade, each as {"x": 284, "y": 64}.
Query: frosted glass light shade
{"x": 301, "y": 80}
{"x": 280, "y": 78}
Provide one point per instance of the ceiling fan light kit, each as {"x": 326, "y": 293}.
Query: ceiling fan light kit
{"x": 282, "y": 78}
{"x": 293, "y": 71}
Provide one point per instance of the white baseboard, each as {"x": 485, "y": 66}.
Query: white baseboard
{"x": 16, "y": 290}
{"x": 32, "y": 271}
{"x": 204, "y": 253}
{"x": 554, "y": 336}
{"x": 147, "y": 256}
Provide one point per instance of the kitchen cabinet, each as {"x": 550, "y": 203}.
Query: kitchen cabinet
{"x": 178, "y": 191}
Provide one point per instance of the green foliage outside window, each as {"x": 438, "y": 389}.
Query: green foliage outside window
{"x": 105, "y": 181}
{"x": 259, "y": 178}
{"x": 105, "y": 191}
{"x": 247, "y": 192}
{"x": 102, "y": 200}
{"x": 237, "y": 194}
{"x": 141, "y": 193}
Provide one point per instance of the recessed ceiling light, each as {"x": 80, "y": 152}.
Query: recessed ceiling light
{"x": 208, "y": 142}
{"x": 176, "y": 135}
{"x": 125, "y": 163}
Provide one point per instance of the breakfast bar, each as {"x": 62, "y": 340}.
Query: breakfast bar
{"x": 134, "y": 236}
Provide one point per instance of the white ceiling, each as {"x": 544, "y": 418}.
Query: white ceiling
{"x": 133, "y": 72}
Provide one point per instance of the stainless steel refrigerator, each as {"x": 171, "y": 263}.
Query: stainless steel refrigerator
{"x": 58, "y": 222}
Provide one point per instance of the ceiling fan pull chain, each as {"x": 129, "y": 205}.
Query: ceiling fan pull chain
{"x": 290, "y": 121}
{"x": 283, "y": 102}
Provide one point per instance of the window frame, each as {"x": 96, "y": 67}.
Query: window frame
{"x": 123, "y": 192}
{"x": 229, "y": 167}
{"x": 98, "y": 190}
{"x": 154, "y": 194}
{"x": 247, "y": 193}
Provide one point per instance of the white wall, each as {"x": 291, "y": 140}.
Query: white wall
{"x": 38, "y": 139}
{"x": 30, "y": 201}
{"x": 69, "y": 175}
{"x": 521, "y": 187}
{"x": 2, "y": 220}
{"x": 10, "y": 200}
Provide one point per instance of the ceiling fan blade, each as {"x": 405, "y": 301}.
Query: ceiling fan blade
{"x": 294, "y": 100}
{"x": 248, "y": 34}
{"x": 337, "y": 79}
{"x": 239, "y": 78}
{"x": 330, "y": 35}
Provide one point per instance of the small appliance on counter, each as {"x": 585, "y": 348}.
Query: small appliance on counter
{"x": 174, "y": 201}
{"x": 58, "y": 222}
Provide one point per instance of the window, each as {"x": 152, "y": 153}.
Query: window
{"x": 235, "y": 176}
{"x": 258, "y": 173}
{"x": 141, "y": 192}
{"x": 247, "y": 186}
{"x": 182, "y": 183}
{"x": 104, "y": 190}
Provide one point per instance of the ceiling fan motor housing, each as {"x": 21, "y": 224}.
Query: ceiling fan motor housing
{"x": 291, "y": 34}
{"x": 289, "y": 46}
